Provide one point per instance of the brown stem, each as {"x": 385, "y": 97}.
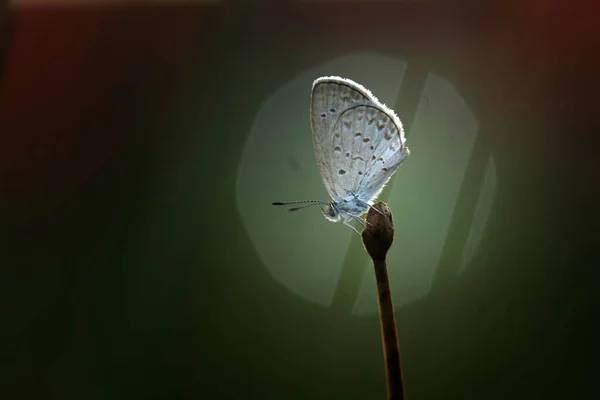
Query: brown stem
{"x": 377, "y": 239}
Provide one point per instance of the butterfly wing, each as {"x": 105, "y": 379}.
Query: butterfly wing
{"x": 359, "y": 142}
{"x": 370, "y": 151}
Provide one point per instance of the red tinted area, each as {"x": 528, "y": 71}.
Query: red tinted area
{"x": 60, "y": 114}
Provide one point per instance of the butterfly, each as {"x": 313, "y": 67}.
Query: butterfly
{"x": 359, "y": 144}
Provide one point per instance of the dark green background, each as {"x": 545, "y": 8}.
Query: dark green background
{"x": 126, "y": 272}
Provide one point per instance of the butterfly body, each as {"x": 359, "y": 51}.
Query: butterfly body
{"x": 350, "y": 205}
{"x": 359, "y": 144}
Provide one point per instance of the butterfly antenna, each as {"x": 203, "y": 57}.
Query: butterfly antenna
{"x": 307, "y": 203}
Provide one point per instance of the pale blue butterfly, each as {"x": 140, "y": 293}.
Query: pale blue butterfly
{"x": 359, "y": 144}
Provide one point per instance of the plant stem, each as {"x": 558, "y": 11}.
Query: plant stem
{"x": 378, "y": 237}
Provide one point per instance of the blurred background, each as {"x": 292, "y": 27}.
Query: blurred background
{"x": 142, "y": 142}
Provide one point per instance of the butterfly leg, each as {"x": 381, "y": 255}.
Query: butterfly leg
{"x": 347, "y": 223}
{"x": 365, "y": 204}
{"x": 363, "y": 222}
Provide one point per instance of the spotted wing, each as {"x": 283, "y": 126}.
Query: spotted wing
{"x": 359, "y": 142}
